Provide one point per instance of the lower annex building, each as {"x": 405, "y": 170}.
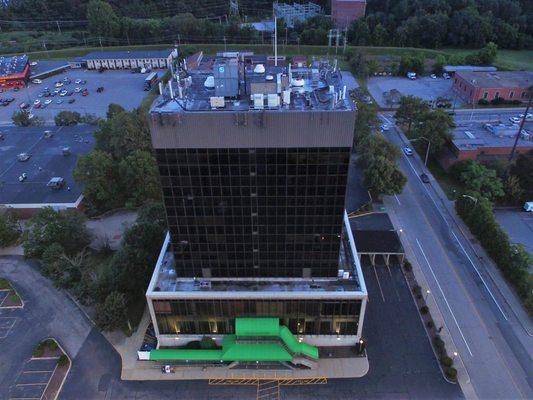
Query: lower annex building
{"x": 253, "y": 159}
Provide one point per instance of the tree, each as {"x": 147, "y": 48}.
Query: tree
{"x": 67, "y": 228}
{"x": 114, "y": 109}
{"x": 134, "y": 262}
{"x": 111, "y": 314}
{"x": 435, "y": 127}
{"x": 138, "y": 171}
{"x": 479, "y": 179}
{"x": 9, "y": 228}
{"x": 410, "y": 110}
{"x": 438, "y": 65}
{"x": 523, "y": 170}
{"x": 123, "y": 133}
{"x": 101, "y": 179}
{"x": 153, "y": 212}
{"x": 358, "y": 64}
{"x": 67, "y": 118}
{"x": 63, "y": 270}
{"x": 513, "y": 190}
{"x": 23, "y": 118}
{"x": 383, "y": 176}
{"x": 102, "y": 19}
{"x": 359, "y": 33}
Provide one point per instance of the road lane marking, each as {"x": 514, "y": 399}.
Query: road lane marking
{"x": 444, "y": 297}
{"x": 397, "y": 199}
{"x": 379, "y": 284}
{"x": 480, "y": 276}
{"x": 386, "y": 120}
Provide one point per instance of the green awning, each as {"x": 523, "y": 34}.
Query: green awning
{"x": 253, "y": 351}
{"x": 185, "y": 354}
{"x": 257, "y": 326}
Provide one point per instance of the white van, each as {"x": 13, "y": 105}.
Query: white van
{"x": 411, "y": 75}
{"x": 528, "y": 206}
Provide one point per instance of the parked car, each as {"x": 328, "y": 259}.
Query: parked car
{"x": 77, "y": 90}
{"x": 59, "y": 101}
{"x": 33, "y": 63}
{"x": 528, "y": 206}
{"x": 77, "y": 81}
{"x": 411, "y": 75}
{"x": 446, "y": 75}
{"x": 48, "y": 134}
{"x": 100, "y": 89}
{"x": 408, "y": 151}
{"x": 24, "y": 106}
{"x": 37, "y": 81}
{"x": 385, "y": 127}
{"x": 85, "y": 92}
{"x": 56, "y": 183}
{"x": 37, "y": 102}
{"x": 58, "y": 84}
{"x": 529, "y": 117}
{"x": 433, "y": 76}
{"x": 23, "y": 177}
{"x": 10, "y": 99}
{"x": 515, "y": 120}
{"x": 71, "y": 101}
{"x": 424, "y": 178}
{"x": 23, "y": 157}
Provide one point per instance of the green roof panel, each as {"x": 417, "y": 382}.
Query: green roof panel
{"x": 253, "y": 351}
{"x": 185, "y": 354}
{"x": 257, "y": 326}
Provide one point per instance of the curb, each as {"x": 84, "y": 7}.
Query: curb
{"x": 19, "y": 296}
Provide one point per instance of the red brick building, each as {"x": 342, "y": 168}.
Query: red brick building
{"x": 473, "y": 86}
{"x": 14, "y": 71}
{"x": 344, "y": 12}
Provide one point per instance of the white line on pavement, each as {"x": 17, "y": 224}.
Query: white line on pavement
{"x": 386, "y": 120}
{"x": 444, "y": 297}
{"x": 480, "y": 276}
{"x": 398, "y": 200}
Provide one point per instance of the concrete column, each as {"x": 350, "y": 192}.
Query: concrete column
{"x": 152, "y": 316}
{"x": 387, "y": 257}
{"x": 361, "y": 319}
{"x": 373, "y": 259}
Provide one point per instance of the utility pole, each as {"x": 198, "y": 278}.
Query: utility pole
{"x": 100, "y": 39}
{"x": 345, "y": 39}
{"x": 225, "y": 48}
{"x": 58, "y": 27}
{"x": 511, "y": 156}
{"x": 179, "y": 40}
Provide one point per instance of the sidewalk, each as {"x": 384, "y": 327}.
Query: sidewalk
{"x": 135, "y": 370}
{"x": 507, "y": 292}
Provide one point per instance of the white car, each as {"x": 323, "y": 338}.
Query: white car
{"x": 433, "y": 76}
{"x": 515, "y": 120}
{"x": 23, "y": 177}
{"x": 446, "y": 75}
{"x": 77, "y": 90}
{"x": 77, "y": 81}
{"x": 47, "y": 101}
{"x": 33, "y": 63}
{"x": 37, "y": 102}
{"x": 37, "y": 81}
{"x": 385, "y": 127}
{"x": 529, "y": 116}
{"x": 59, "y": 84}
{"x": 408, "y": 151}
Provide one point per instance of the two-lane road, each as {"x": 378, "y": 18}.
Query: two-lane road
{"x": 495, "y": 348}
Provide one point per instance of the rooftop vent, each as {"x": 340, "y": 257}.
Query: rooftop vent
{"x": 269, "y": 78}
{"x": 210, "y": 82}
{"x": 259, "y": 69}
{"x": 298, "y": 82}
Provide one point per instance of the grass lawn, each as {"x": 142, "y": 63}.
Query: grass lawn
{"x": 449, "y": 185}
{"x": 12, "y": 298}
{"x": 506, "y": 59}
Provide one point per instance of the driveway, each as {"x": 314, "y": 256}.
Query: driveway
{"x": 47, "y": 313}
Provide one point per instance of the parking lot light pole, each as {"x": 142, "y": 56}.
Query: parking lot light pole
{"x": 427, "y": 149}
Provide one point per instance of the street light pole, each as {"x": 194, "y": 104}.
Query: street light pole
{"x": 427, "y": 149}
{"x": 521, "y": 125}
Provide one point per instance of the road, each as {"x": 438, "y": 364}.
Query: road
{"x": 492, "y": 343}
{"x": 486, "y": 115}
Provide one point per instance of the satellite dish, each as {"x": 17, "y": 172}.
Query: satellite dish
{"x": 259, "y": 69}
{"x": 210, "y": 82}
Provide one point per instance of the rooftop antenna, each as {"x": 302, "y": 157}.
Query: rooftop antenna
{"x": 275, "y": 40}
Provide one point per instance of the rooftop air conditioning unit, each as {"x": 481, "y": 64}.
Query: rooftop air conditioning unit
{"x": 269, "y": 77}
{"x": 210, "y": 82}
{"x": 258, "y": 100}
{"x": 216, "y": 101}
{"x": 259, "y": 69}
{"x": 298, "y": 82}
{"x": 273, "y": 100}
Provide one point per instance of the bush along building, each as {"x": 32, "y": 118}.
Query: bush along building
{"x": 253, "y": 159}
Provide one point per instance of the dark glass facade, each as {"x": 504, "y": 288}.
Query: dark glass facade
{"x": 309, "y": 317}
{"x": 259, "y": 212}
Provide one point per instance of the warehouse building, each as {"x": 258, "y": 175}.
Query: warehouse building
{"x": 154, "y": 59}
{"x": 473, "y": 86}
{"x": 254, "y": 163}
{"x": 14, "y": 71}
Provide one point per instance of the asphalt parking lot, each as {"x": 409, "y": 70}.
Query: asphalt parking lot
{"x": 423, "y": 87}
{"x": 120, "y": 87}
{"x": 519, "y": 226}
{"x": 46, "y": 161}
{"x": 33, "y": 379}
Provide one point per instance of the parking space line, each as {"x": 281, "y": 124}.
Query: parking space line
{"x": 37, "y": 372}
{"x": 444, "y": 297}
{"x": 379, "y": 284}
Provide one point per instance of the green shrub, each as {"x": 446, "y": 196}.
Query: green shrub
{"x": 407, "y": 266}
{"x": 38, "y": 351}
{"x": 451, "y": 373}
{"x": 62, "y": 360}
{"x": 208, "y": 343}
{"x": 483, "y": 102}
{"x": 446, "y": 361}
{"x": 66, "y": 118}
{"x": 439, "y": 344}
{"x": 430, "y": 324}
{"x": 51, "y": 344}
{"x": 424, "y": 310}
{"x": 417, "y": 290}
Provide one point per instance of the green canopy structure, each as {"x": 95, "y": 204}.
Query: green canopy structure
{"x": 281, "y": 350}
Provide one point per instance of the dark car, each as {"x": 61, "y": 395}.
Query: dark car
{"x": 100, "y": 89}
{"x": 71, "y": 101}
{"x": 424, "y": 178}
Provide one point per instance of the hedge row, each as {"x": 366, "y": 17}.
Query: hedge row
{"x": 511, "y": 259}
